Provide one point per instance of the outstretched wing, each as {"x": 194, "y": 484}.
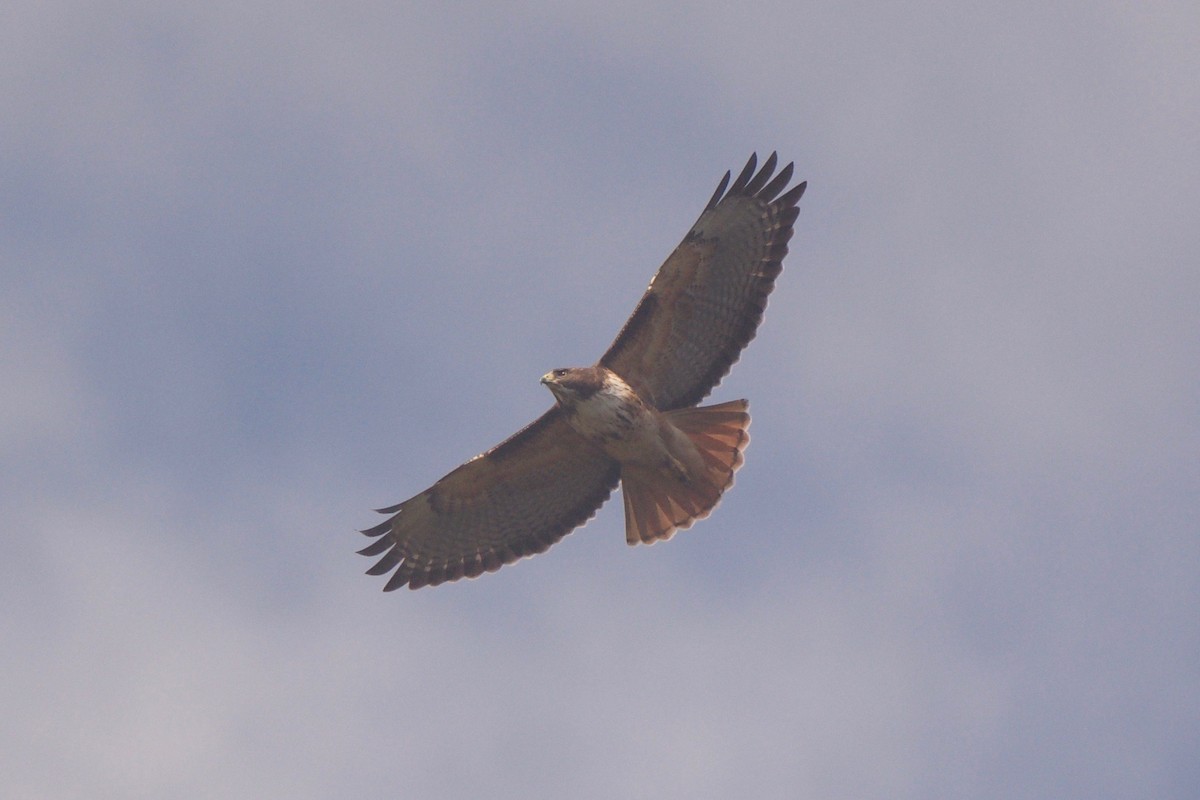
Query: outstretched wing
{"x": 515, "y": 500}
{"x": 707, "y": 299}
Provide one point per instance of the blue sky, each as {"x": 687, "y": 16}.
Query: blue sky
{"x": 262, "y": 271}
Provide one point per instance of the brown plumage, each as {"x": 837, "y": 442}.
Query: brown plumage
{"x": 629, "y": 418}
{"x": 657, "y": 503}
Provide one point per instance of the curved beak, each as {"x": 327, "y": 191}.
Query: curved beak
{"x": 556, "y": 388}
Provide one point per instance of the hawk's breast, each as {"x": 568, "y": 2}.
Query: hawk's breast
{"x": 616, "y": 420}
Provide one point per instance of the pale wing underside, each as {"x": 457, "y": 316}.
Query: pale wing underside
{"x": 707, "y": 300}
{"x": 513, "y": 501}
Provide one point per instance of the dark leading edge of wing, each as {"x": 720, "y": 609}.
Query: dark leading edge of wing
{"x": 706, "y": 301}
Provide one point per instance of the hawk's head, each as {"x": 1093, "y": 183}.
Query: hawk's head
{"x": 572, "y": 384}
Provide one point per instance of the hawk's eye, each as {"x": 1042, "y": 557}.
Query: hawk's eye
{"x": 558, "y": 373}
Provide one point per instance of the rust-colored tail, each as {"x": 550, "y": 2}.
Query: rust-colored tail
{"x": 658, "y": 502}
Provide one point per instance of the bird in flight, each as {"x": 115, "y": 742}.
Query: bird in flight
{"x": 630, "y": 419}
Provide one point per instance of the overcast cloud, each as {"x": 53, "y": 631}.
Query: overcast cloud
{"x": 265, "y": 269}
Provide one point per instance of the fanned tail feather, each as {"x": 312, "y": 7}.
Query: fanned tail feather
{"x": 657, "y": 503}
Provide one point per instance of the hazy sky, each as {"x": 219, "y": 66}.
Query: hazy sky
{"x": 265, "y": 269}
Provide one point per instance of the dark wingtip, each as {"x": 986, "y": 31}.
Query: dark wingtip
{"x": 401, "y": 578}
{"x": 777, "y": 183}
{"x": 377, "y": 530}
{"x": 794, "y": 194}
{"x": 739, "y": 185}
{"x": 758, "y": 181}
{"x": 716, "y": 197}
{"x": 376, "y": 547}
{"x": 386, "y": 564}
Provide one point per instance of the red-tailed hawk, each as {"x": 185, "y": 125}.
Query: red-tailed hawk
{"x": 630, "y": 419}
